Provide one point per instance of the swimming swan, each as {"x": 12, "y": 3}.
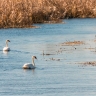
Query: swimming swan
{"x": 29, "y": 65}
{"x": 6, "y": 48}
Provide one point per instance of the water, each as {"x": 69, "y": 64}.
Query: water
{"x": 62, "y": 72}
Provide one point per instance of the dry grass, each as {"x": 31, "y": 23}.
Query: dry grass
{"x": 21, "y": 13}
{"x": 92, "y": 63}
{"x": 15, "y": 13}
{"x": 71, "y": 43}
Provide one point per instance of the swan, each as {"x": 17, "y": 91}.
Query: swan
{"x": 6, "y": 48}
{"x": 29, "y": 65}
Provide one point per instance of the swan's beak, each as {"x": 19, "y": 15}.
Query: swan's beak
{"x": 34, "y": 57}
{"x": 8, "y": 40}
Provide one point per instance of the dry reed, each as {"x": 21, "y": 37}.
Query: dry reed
{"x": 23, "y": 13}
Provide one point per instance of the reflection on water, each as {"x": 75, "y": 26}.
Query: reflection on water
{"x": 60, "y": 68}
{"x": 27, "y": 70}
{"x": 5, "y": 52}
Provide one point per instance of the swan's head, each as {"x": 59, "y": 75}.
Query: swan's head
{"x": 7, "y": 40}
{"x": 34, "y": 57}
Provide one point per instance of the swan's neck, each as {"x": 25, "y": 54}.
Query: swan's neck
{"x": 6, "y": 44}
{"x": 33, "y": 63}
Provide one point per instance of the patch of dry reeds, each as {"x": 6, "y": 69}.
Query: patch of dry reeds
{"x": 15, "y": 13}
{"x": 21, "y": 13}
{"x": 71, "y": 43}
{"x": 92, "y": 63}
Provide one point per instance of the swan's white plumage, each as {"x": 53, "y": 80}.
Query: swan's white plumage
{"x": 6, "y": 48}
{"x": 29, "y": 65}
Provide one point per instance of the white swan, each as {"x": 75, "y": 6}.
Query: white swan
{"x": 29, "y": 65}
{"x": 6, "y": 48}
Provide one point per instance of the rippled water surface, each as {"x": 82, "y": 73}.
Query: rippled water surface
{"x": 61, "y": 71}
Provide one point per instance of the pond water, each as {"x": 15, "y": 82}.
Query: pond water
{"x": 61, "y": 71}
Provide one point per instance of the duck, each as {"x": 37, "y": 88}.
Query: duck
{"x": 30, "y": 65}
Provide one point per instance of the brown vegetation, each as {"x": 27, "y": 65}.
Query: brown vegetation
{"x": 70, "y": 43}
{"x": 93, "y": 63}
{"x": 23, "y": 13}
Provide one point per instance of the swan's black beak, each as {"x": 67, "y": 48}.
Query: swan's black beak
{"x": 35, "y": 57}
{"x": 9, "y": 41}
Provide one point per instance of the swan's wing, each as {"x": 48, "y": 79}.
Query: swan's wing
{"x": 28, "y": 66}
{"x": 25, "y": 66}
{"x": 6, "y": 49}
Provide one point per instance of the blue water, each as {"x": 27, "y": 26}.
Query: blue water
{"x": 64, "y": 75}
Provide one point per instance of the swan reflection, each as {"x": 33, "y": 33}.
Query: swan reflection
{"x": 5, "y": 52}
{"x": 26, "y": 70}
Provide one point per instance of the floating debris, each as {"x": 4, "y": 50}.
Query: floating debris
{"x": 54, "y": 59}
{"x": 89, "y": 48}
{"x": 71, "y": 43}
{"x": 46, "y": 53}
{"x": 93, "y": 63}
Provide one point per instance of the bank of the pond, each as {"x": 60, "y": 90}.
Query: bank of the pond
{"x": 23, "y": 13}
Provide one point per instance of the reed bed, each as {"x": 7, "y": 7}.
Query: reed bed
{"x": 23, "y": 13}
